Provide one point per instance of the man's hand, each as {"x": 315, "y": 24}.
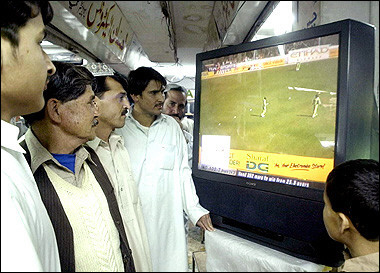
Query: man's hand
{"x": 179, "y": 121}
{"x": 205, "y": 223}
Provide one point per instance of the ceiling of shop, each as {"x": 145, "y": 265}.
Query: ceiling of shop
{"x": 171, "y": 33}
{"x": 189, "y": 22}
{"x": 185, "y": 34}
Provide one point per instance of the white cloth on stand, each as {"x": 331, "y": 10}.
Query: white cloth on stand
{"x": 229, "y": 253}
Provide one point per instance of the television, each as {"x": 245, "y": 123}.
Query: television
{"x": 272, "y": 119}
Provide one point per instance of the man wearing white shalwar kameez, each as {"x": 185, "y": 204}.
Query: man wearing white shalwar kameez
{"x": 27, "y": 234}
{"x": 28, "y": 241}
{"x": 159, "y": 162}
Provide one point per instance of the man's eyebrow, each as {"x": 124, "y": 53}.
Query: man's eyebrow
{"x": 121, "y": 94}
{"x": 158, "y": 90}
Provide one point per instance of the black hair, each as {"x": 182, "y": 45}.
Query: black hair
{"x": 87, "y": 73}
{"x": 353, "y": 189}
{"x": 68, "y": 83}
{"x": 102, "y": 86}
{"x": 139, "y": 79}
{"x": 16, "y": 14}
{"x": 175, "y": 87}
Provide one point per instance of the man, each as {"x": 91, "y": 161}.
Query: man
{"x": 71, "y": 179}
{"x": 160, "y": 167}
{"x": 28, "y": 242}
{"x": 174, "y": 106}
{"x": 113, "y": 106}
{"x": 265, "y": 104}
{"x": 351, "y": 212}
{"x": 298, "y": 66}
{"x": 316, "y": 103}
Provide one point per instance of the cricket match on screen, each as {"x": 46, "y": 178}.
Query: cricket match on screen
{"x": 270, "y": 114}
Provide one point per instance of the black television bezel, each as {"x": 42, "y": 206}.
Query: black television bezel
{"x": 345, "y": 30}
{"x": 295, "y": 215}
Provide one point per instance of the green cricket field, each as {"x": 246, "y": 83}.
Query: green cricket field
{"x": 232, "y": 105}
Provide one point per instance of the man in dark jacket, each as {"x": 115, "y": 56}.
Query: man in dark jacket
{"x": 73, "y": 184}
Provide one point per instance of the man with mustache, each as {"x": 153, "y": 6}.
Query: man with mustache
{"x": 28, "y": 242}
{"x": 160, "y": 167}
{"x": 72, "y": 182}
{"x": 174, "y": 106}
{"x": 113, "y": 105}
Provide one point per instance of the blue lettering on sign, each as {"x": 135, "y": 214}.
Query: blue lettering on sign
{"x": 263, "y": 167}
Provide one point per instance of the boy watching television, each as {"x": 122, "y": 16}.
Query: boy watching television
{"x": 351, "y": 212}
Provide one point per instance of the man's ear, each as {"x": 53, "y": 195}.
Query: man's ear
{"x": 134, "y": 97}
{"x": 344, "y": 223}
{"x": 53, "y": 110}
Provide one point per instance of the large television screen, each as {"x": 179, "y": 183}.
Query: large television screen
{"x": 271, "y": 113}
{"x": 272, "y": 119}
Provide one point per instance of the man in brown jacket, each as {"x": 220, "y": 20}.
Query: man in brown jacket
{"x": 72, "y": 182}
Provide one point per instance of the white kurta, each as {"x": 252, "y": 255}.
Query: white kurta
{"x": 160, "y": 167}
{"x": 188, "y": 125}
{"x": 28, "y": 241}
{"x": 189, "y": 141}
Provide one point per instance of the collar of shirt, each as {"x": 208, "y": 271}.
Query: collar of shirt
{"x": 159, "y": 118}
{"x": 366, "y": 263}
{"x": 113, "y": 140}
{"x": 9, "y": 134}
{"x": 39, "y": 154}
{"x": 94, "y": 143}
